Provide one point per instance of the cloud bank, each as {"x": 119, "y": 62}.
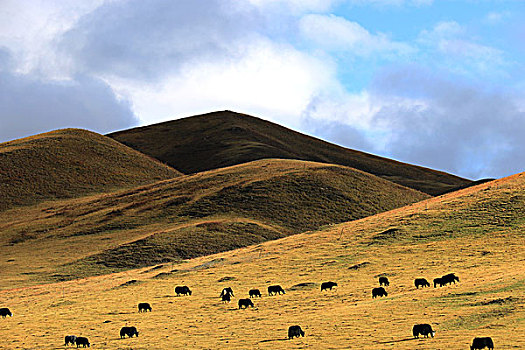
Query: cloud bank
{"x": 310, "y": 65}
{"x": 31, "y": 106}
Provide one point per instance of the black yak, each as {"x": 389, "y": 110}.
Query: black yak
{"x": 449, "y": 279}
{"x": 129, "y": 331}
{"x": 4, "y": 312}
{"x": 421, "y": 282}
{"x": 184, "y": 290}
{"x": 295, "y": 331}
{"x": 481, "y": 343}
{"x": 70, "y": 339}
{"x": 379, "y": 291}
{"x": 383, "y": 281}
{"x": 82, "y": 341}
{"x": 423, "y": 329}
{"x": 244, "y": 303}
{"x": 275, "y": 290}
{"x": 328, "y": 285}
{"x": 227, "y": 291}
{"x": 143, "y": 307}
{"x": 254, "y": 293}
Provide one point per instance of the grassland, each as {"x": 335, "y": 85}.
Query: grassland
{"x": 71, "y": 163}
{"x": 477, "y": 233}
{"x": 226, "y": 138}
{"x": 186, "y": 217}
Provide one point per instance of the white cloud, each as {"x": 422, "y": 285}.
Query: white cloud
{"x": 271, "y": 80}
{"x": 30, "y": 106}
{"x": 495, "y": 18}
{"x": 423, "y": 117}
{"x": 148, "y": 40}
{"x": 297, "y": 6}
{"x": 326, "y": 5}
{"x": 204, "y": 56}
{"x": 449, "y": 44}
{"x": 442, "y": 30}
{"x": 359, "y": 112}
{"x": 392, "y": 2}
{"x": 28, "y": 31}
{"x": 335, "y": 33}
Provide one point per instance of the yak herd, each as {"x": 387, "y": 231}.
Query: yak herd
{"x": 293, "y": 331}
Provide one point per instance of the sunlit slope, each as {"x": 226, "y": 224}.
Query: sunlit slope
{"x": 188, "y": 216}
{"x": 225, "y": 138}
{"x": 476, "y": 233}
{"x": 71, "y": 163}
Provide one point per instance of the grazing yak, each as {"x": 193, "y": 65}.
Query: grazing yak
{"x": 439, "y": 281}
{"x": 295, "y": 331}
{"x": 379, "y": 291}
{"x": 184, "y": 290}
{"x": 421, "y": 282}
{"x": 254, "y": 293}
{"x": 383, "y": 281}
{"x": 328, "y": 285}
{"x": 450, "y": 278}
{"x": 277, "y": 289}
{"x": 4, "y": 312}
{"x": 129, "y": 331}
{"x": 244, "y": 303}
{"x": 447, "y": 279}
{"x": 144, "y": 307}
{"x": 226, "y": 298}
{"x": 70, "y": 339}
{"x": 481, "y": 343}
{"x": 423, "y": 329}
{"x": 82, "y": 341}
{"x": 227, "y": 291}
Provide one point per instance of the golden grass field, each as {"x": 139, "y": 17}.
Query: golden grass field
{"x": 477, "y": 233}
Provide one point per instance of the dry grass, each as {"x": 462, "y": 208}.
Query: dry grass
{"x": 71, "y": 163}
{"x": 186, "y": 217}
{"x": 226, "y": 138}
{"x": 476, "y": 233}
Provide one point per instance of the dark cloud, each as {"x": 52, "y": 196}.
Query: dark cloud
{"x": 30, "y": 106}
{"x": 428, "y": 118}
{"x": 460, "y": 127}
{"x": 336, "y": 132}
{"x": 150, "y": 39}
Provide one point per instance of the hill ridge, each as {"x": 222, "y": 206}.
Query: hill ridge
{"x": 218, "y": 139}
{"x": 70, "y": 163}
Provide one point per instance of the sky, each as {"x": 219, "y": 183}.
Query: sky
{"x": 437, "y": 83}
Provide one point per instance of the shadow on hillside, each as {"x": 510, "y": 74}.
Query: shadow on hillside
{"x": 271, "y": 340}
{"x": 395, "y": 341}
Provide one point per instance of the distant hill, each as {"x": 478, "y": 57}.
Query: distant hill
{"x": 220, "y": 139}
{"x": 71, "y": 163}
{"x": 195, "y": 215}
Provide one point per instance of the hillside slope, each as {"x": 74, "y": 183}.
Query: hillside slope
{"x": 71, "y": 163}
{"x": 189, "y": 216}
{"x": 220, "y": 139}
{"x": 476, "y": 233}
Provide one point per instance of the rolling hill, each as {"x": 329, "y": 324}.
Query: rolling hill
{"x": 476, "y": 233}
{"x": 226, "y": 138}
{"x": 71, "y": 163}
{"x": 187, "y": 216}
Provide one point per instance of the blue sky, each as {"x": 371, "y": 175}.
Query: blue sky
{"x": 435, "y": 83}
